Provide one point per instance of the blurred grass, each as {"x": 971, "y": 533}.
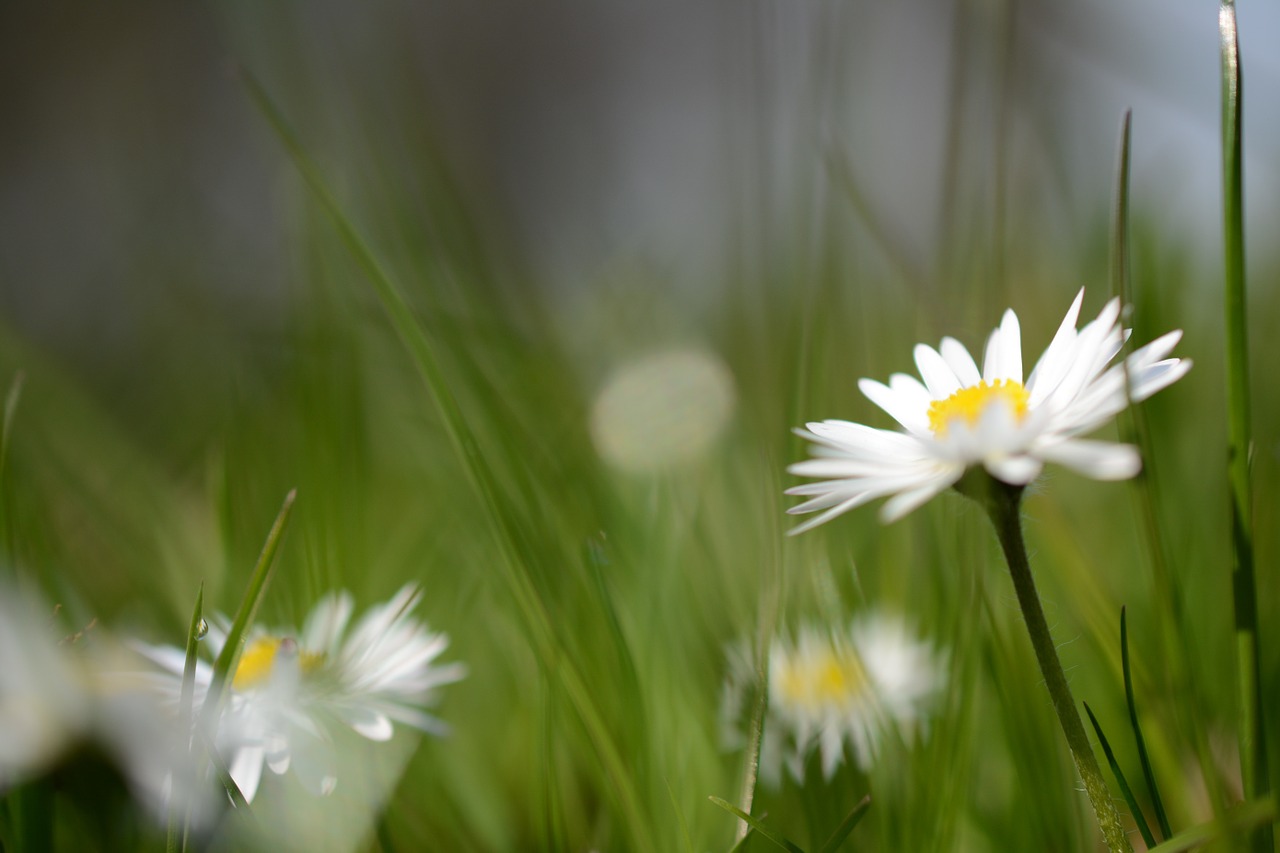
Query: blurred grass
{"x": 121, "y": 507}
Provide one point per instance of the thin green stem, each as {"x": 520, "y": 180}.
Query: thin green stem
{"x": 1253, "y": 747}
{"x": 1003, "y": 504}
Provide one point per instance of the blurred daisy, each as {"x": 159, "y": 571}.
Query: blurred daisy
{"x": 837, "y": 692}
{"x": 290, "y": 688}
{"x": 57, "y": 697}
{"x": 960, "y": 417}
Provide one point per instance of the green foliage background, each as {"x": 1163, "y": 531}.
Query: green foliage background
{"x": 136, "y": 474}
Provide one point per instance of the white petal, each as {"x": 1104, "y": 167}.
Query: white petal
{"x": 829, "y": 514}
{"x": 959, "y": 360}
{"x": 863, "y": 442}
{"x": 1053, "y": 364}
{"x": 1100, "y": 460}
{"x": 367, "y": 722}
{"x": 938, "y": 377}
{"x": 898, "y": 407}
{"x": 1014, "y": 470}
{"x": 327, "y": 622}
{"x": 246, "y": 770}
{"x": 1159, "y": 376}
{"x": 904, "y": 503}
{"x": 1010, "y": 352}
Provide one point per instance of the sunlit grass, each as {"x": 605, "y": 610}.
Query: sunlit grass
{"x": 435, "y": 413}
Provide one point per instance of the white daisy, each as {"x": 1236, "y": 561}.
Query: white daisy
{"x": 831, "y": 689}
{"x": 291, "y": 687}
{"x": 57, "y": 696}
{"x": 960, "y": 417}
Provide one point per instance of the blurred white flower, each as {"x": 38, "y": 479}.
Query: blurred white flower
{"x": 58, "y": 695}
{"x": 291, "y": 687}
{"x": 839, "y": 692}
{"x": 960, "y": 417}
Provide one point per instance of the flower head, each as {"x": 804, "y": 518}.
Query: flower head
{"x": 57, "y": 697}
{"x": 839, "y": 692}
{"x": 291, "y": 687}
{"x": 960, "y": 417}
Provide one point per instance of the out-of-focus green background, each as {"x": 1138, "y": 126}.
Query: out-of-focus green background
{"x": 756, "y": 203}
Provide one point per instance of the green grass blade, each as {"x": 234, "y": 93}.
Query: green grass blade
{"x": 179, "y": 813}
{"x": 755, "y": 734}
{"x": 10, "y": 407}
{"x": 1138, "y": 817}
{"x": 847, "y": 825}
{"x": 6, "y": 432}
{"x": 223, "y": 773}
{"x": 756, "y": 825}
{"x": 680, "y": 818}
{"x": 32, "y": 805}
{"x": 1253, "y": 747}
{"x": 1120, "y": 281}
{"x": 1138, "y": 739}
{"x": 1254, "y": 814}
{"x": 740, "y": 844}
{"x": 538, "y": 622}
{"x": 262, "y": 572}
{"x": 1137, "y": 431}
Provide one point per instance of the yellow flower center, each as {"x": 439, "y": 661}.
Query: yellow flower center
{"x": 259, "y": 658}
{"x": 968, "y": 404}
{"x": 831, "y": 676}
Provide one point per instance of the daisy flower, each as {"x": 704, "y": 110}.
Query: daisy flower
{"x": 290, "y": 688}
{"x": 960, "y": 417}
{"x": 57, "y": 697}
{"x": 839, "y": 692}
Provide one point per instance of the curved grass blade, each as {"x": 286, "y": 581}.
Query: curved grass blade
{"x": 1138, "y": 817}
{"x": 245, "y": 614}
{"x": 6, "y": 430}
{"x": 847, "y": 825}
{"x": 684, "y": 824}
{"x": 1253, "y": 747}
{"x": 224, "y": 774}
{"x": 10, "y": 406}
{"x": 1246, "y": 816}
{"x": 754, "y": 735}
{"x": 756, "y": 825}
{"x": 180, "y": 813}
{"x": 1136, "y": 430}
{"x": 1141, "y": 742}
{"x": 537, "y": 621}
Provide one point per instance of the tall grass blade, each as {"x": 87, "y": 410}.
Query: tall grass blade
{"x": 179, "y": 812}
{"x": 755, "y": 824}
{"x": 1138, "y": 739}
{"x": 1250, "y": 815}
{"x": 10, "y": 407}
{"x": 6, "y": 431}
{"x": 755, "y": 734}
{"x": 1253, "y": 747}
{"x": 1125, "y": 790}
{"x": 847, "y": 825}
{"x": 262, "y": 572}
{"x": 223, "y": 772}
{"x": 680, "y": 818}
{"x": 1136, "y": 430}
{"x": 32, "y": 812}
{"x": 538, "y": 622}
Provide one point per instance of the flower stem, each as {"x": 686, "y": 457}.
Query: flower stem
{"x": 1002, "y": 504}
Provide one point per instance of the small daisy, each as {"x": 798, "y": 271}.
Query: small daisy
{"x": 57, "y": 698}
{"x": 840, "y": 692}
{"x": 960, "y": 417}
{"x": 290, "y": 687}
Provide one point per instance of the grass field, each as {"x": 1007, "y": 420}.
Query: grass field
{"x": 587, "y": 485}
